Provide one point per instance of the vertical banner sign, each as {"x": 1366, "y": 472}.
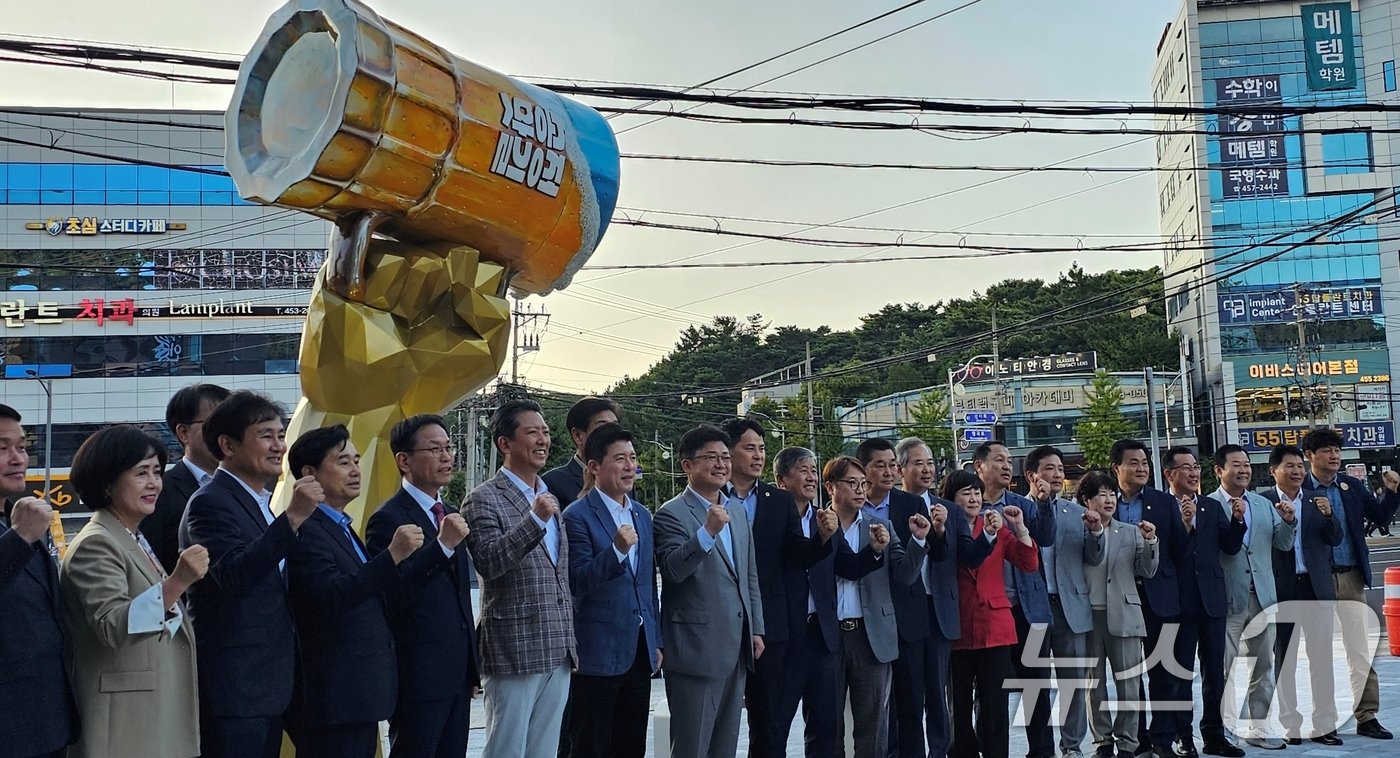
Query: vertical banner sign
{"x": 1253, "y": 162}
{"x": 1327, "y": 46}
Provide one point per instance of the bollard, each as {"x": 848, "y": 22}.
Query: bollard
{"x": 1391, "y": 608}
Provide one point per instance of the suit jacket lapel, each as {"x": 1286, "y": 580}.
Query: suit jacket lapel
{"x": 108, "y": 521}
{"x": 512, "y": 493}
{"x": 337, "y": 535}
{"x": 250, "y": 506}
{"x": 699, "y": 508}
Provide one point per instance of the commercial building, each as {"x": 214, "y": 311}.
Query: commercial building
{"x": 1283, "y": 224}
{"x": 131, "y": 268}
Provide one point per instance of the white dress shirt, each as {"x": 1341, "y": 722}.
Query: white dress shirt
{"x": 426, "y": 502}
{"x": 550, "y": 527}
{"x": 848, "y": 591}
{"x": 621, "y": 514}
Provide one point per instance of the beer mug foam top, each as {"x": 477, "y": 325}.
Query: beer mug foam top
{"x": 338, "y": 112}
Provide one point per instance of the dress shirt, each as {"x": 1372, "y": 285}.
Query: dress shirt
{"x": 925, "y": 573}
{"x": 343, "y": 518}
{"x": 621, "y": 514}
{"x": 706, "y": 541}
{"x": 426, "y": 502}
{"x": 1047, "y": 564}
{"x": 848, "y": 591}
{"x": 1129, "y": 511}
{"x": 551, "y": 527}
{"x": 878, "y": 510}
{"x": 264, "y": 499}
{"x": 1342, "y": 554}
{"x": 147, "y": 614}
{"x": 808, "y": 522}
{"x": 749, "y": 501}
{"x": 1299, "y": 566}
{"x": 200, "y": 475}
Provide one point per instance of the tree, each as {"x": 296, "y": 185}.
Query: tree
{"x": 1103, "y": 423}
{"x": 930, "y": 423}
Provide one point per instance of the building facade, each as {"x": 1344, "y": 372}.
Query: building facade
{"x": 131, "y": 268}
{"x": 1283, "y": 245}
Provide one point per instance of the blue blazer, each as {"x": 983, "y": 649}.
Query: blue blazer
{"x": 911, "y": 601}
{"x": 1358, "y": 504}
{"x": 1031, "y": 592}
{"x": 820, "y": 580}
{"x": 38, "y": 715}
{"x": 1201, "y": 575}
{"x": 1162, "y": 591}
{"x": 244, "y": 636}
{"x": 609, "y": 596}
{"x": 1319, "y": 535}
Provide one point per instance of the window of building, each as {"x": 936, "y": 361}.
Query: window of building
{"x": 113, "y": 184}
{"x": 1388, "y": 74}
{"x": 158, "y": 355}
{"x": 132, "y": 269}
{"x": 1347, "y": 153}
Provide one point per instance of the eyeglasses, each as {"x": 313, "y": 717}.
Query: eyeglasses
{"x": 437, "y": 452}
{"x": 713, "y": 458}
{"x": 1186, "y": 467}
{"x": 859, "y": 485}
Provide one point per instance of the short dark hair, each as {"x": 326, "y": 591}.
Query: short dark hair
{"x": 958, "y": 480}
{"x": 6, "y": 412}
{"x": 838, "y": 467}
{"x": 506, "y": 420}
{"x": 105, "y": 456}
{"x": 1280, "y": 452}
{"x": 311, "y": 448}
{"x": 868, "y": 448}
{"x": 232, "y": 417}
{"x": 595, "y": 446}
{"x": 1319, "y": 438}
{"x": 1222, "y": 454}
{"x": 984, "y": 451}
{"x": 1121, "y": 447}
{"x": 1093, "y": 483}
{"x": 183, "y": 407}
{"x": 582, "y": 412}
{"x": 404, "y": 435}
{"x": 700, "y": 436}
{"x": 1034, "y": 457}
{"x": 1169, "y": 457}
{"x": 736, "y": 426}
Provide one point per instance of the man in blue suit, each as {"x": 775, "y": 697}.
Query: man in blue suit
{"x": 1351, "y": 569}
{"x": 37, "y": 714}
{"x": 245, "y": 641}
{"x": 616, "y": 624}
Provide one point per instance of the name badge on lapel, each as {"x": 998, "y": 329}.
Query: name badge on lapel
{"x": 1344, "y": 486}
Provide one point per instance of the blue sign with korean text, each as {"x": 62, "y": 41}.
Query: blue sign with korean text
{"x": 1280, "y": 306}
{"x": 977, "y": 434}
{"x": 1365, "y": 435}
{"x": 980, "y": 418}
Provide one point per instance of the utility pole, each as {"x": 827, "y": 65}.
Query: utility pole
{"x": 522, "y": 341}
{"x": 811, "y": 409}
{"x": 1304, "y": 365}
{"x": 1152, "y": 428}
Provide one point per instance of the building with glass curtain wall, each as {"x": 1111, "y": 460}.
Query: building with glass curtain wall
{"x": 1250, "y": 203}
{"x": 131, "y": 268}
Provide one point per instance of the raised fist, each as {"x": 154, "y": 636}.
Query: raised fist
{"x": 1148, "y": 529}
{"x": 715, "y": 519}
{"x": 992, "y": 523}
{"x": 1324, "y": 506}
{"x": 919, "y": 526}
{"x": 546, "y": 506}
{"x": 1014, "y": 516}
{"x": 879, "y": 538}
{"x": 306, "y": 495}
{"x": 1237, "y": 505}
{"x": 1093, "y": 520}
{"x": 407, "y": 539}
{"x": 939, "y": 516}
{"x": 625, "y": 538}
{"x": 1040, "y": 489}
{"x": 31, "y": 518}
{"x": 192, "y": 565}
{"x": 827, "y": 523}
{"x": 1188, "y": 513}
{"x": 454, "y": 529}
{"x": 1285, "y": 510}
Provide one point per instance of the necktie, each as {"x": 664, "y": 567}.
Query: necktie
{"x": 439, "y": 513}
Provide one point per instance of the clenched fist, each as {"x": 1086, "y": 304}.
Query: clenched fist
{"x": 1040, "y": 489}
{"x": 1014, "y": 517}
{"x": 1148, "y": 529}
{"x": 992, "y": 523}
{"x": 453, "y": 530}
{"x": 879, "y": 538}
{"x": 1285, "y": 510}
{"x": 1188, "y": 513}
{"x": 30, "y": 518}
{"x": 407, "y": 539}
{"x": 625, "y": 538}
{"x": 827, "y": 523}
{"x": 306, "y": 495}
{"x": 939, "y": 516}
{"x": 919, "y": 526}
{"x": 1324, "y": 506}
{"x": 545, "y": 506}
{"x": 1093, "y": 520}
{"x": 192, "y": 565}
{"x": 715, "y": 519}
{"x": 1237, "y": 505}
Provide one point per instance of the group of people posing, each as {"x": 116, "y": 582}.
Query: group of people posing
{"x": 187, "y": 619}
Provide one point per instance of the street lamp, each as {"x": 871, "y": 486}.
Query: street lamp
{"x": 667, "y": 454}
{"x": 47, "y": 384}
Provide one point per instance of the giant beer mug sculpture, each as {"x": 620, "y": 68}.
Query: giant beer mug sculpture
{"x": 448, "y": 184}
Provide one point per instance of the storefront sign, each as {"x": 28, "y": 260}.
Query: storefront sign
{"x": 87, "y": 226}
{"x": 1328, "y": 49}
{"x": 62, "y": 496}
{"x": 1279, "y": 306}
{"x": 1249, "y": 151}
{"x": 1254, "y": 182}
{"x": 1040, "y": 399}
{"x": 1064, "y": 363}
{"x": 1373, "y": 402}
{"x": 17, "y": 314}
{"x": 1367, "y": 435}
{"x": 1283, "y": 369}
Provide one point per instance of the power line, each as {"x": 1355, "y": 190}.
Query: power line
{"x": 1192, "y": 168}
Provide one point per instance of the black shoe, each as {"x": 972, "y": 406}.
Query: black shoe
{"x": 1144, "y": 748}
{"x": 1105, "y": 751}
{"x": 1374, "y": 730}
{"x": 1222, "y": 748}
{"x": 1184, "y": 747}
{"x": 1330, "y": 739}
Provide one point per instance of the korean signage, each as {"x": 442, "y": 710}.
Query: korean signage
{"x": 1245, "y": 91}
{"x": 1038, "y": 399}
{"x": 61, "y": 494}
{"x": 1253, "y": 162}
{"x": 88, "y": 226}
{"x": 1254, "y": 182}
{"x": 1373, "y": 402}
{"x": 1328, "y": 50}
{"x": 1064, "y": 363}
{"x": 530, "y": 149}
{"x": 1247, "y": 151}
{"x": 18, "y": 313}
{"x": 1337, "y": 367}
{"x": 1366, "y": 435}
{"x": 1279, "y": 306}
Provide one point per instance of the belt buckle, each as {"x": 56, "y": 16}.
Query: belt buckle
{"x": 850, "y": 625}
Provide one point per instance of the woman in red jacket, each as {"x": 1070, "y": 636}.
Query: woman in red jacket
{"x": 981, "y": 660}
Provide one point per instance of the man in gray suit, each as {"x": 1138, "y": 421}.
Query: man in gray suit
{"x": 1250, "y": 588}
{"x": 527, "y": 613}
{"x": 1071, "y": 617}
{"x": 711, "y": 612}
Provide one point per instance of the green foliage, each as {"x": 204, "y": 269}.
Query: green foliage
{"x": 1103, "y": 422}
{"x": 930, "y": 423}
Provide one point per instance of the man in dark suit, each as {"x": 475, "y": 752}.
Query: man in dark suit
{"x": 810, "y": 674}
{"x": 566, "y": 482}
{"x": 926, "y": 612}
{"x": 1352, "y": 500}
{"x": 431, "y": 616}
{"x": 185, "y": 415}
{"x": 616, "y": 619}
{"x": 1212, "y": 528}
{"x": 245, "y": 640}
{"x": 1161, "y": 594}
{"x": 338, "y": 603}
{"x": 38, "y": 716}
{"x": 1304, "y": 572}
{"x": 777, "y": 541}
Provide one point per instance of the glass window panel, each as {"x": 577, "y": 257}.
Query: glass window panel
{"x": 24, "y": 176}
{"x": 121, "y": 178}
{"x": 152, "y": 178}
{"x": 216, "y": 198}
{"x": 184, "y": 198}
{"x": 145, "y": 197}
{"x": 24, "y": 197}
{"x": 55, "y": 197}
{"x": 56, "y": 176}
{"x": 89, "y": 197}
{"x": 121, "y": 197}
{"x": 87, "y": 176}
{"x": 184, "y": 180}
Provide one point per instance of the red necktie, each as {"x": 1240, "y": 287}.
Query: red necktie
{"x": 439, "y": 513}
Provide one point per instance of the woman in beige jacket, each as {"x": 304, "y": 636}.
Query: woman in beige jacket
{"x": 133, "y": 647}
